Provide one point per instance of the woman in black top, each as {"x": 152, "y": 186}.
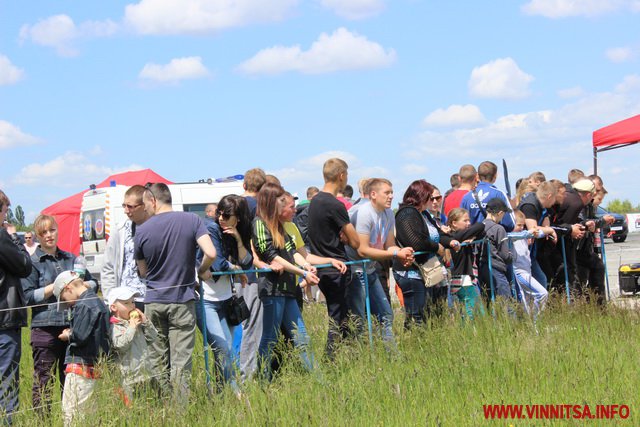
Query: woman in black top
{"x": 420, "y": 232}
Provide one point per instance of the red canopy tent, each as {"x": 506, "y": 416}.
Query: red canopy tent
{"x": 620, "y": 134}
{"x": 67, "y": 211}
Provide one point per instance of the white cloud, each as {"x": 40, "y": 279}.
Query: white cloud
{"x": 571, "y": 92}
{"x": 66, "y": 171}
{"x": 500, "y": 78}
{"x": 454, "y": 115}
{"x": 9, "y": 73}
{"x": 552, "y": 136}
{"x": 202, "y": 16}
{"x": 619, "y": 54}
{"x": 630, "y": 84}
{"x": 177, "y": 69}
{"x": 57, "y": 32}
{"x": 342, "y": 50}
{"x": 61, "y": 33}
{"x": 354, "y": 9}
{"x": 589, "y": 8}
{"x": 12, "y": 136}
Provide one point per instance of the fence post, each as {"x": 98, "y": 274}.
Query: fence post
{"x": 566, "y": 271}
{"x": 204, "y": 338}
{"x": 367, "y": 300}
{"x": 604, "y": 261}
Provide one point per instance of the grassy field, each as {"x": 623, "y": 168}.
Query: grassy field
{"x": 443, "y": 375}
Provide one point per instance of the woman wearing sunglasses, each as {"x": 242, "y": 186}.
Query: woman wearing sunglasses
{"x": 434, "y": 208}
{"x": 230, "y": 232}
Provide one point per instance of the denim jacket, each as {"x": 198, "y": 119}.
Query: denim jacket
{"x": 45, "y": 270}
{"x": 90, "y": 330}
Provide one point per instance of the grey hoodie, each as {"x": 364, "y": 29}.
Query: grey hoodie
{"x": 500, "y": 254}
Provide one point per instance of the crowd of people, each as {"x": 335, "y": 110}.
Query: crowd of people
{"x": 167, "y": 273}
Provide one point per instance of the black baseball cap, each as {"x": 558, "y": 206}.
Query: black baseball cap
{"x": 497, "y": 205}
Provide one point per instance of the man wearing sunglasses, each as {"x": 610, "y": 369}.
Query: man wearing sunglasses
{"x": 30, "y": 242}
{"x": 120, "y": 268}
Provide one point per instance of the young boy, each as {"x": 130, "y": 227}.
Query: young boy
{"x": 529, "y": 286}
{"x": 500, "y": 256}
{"x": 129, "y": 337}
{"x": 88, "y": 337}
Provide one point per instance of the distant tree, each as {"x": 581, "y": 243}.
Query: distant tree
{"x": 10, "y": 217}
{"x": 19, "y": 216}
{"x": 622, "y": 206}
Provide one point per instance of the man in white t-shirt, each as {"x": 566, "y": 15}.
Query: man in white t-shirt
{"x": 30, "y": 242}
{"x": 374, "y": 222}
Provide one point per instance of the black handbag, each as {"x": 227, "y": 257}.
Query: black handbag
{"x": 237, "y": 310}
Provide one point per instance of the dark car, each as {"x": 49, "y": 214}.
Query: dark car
{"x": 619, "y": 229}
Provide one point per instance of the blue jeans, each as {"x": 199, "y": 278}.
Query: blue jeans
{"x": 501, "y": 284}
{"x": 420, "y": 302}
{"x": 282, "y": 313}
{"x": 379, "y": 304}
{"x": 414, "y": 295}
{"x": 219, "y": 337}
{"x": 530, "y": 287}
{"x": 537, "y": 273}
{"x": 10, "y": 347}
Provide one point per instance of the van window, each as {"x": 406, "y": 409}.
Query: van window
{"x": 196, "y": 208}
{"x": 93, "y": 225}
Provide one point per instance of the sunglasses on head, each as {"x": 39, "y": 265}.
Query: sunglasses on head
{"x": 147, "y": 187}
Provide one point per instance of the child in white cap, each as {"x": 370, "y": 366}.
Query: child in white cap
{"x": 131, "y": 333}
{"x": 88, "y": 337}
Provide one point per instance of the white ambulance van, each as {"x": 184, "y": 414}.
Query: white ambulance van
{"x": 102, "y": 212}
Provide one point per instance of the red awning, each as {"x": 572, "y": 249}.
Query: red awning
{"x": 624, "y": 132}
{"x": 67, "y": 211}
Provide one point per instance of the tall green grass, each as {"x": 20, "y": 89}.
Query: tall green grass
{"x": 442, "y": 375}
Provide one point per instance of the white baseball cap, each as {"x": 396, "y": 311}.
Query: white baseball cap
{"x": 121, "y": 293}
{"x": 60, "y": 283}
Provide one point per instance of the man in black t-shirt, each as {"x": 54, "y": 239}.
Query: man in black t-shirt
{"x": 329, "y": 230}
{"x": 534, "y": 206}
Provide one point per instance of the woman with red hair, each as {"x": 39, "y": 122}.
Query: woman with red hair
{"x": 419, "y": 231}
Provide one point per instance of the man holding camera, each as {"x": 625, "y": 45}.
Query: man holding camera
{"x": 571, "y": 227}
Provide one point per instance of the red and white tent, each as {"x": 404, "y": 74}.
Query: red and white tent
{"x": 617, "y": 135}
{"x": 67, "y": 211}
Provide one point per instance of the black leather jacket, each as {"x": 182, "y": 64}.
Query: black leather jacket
{"x": 14, "y": 264}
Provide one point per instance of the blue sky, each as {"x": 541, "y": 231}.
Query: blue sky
{"x": 403, "y": 89}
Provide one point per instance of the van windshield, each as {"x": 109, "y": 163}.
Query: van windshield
{"x": 93, "y": 225}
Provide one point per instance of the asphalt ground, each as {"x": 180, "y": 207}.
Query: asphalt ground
{"x": 618, "y": 254}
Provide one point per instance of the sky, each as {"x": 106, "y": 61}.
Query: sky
{"x": 402, "y": 89}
